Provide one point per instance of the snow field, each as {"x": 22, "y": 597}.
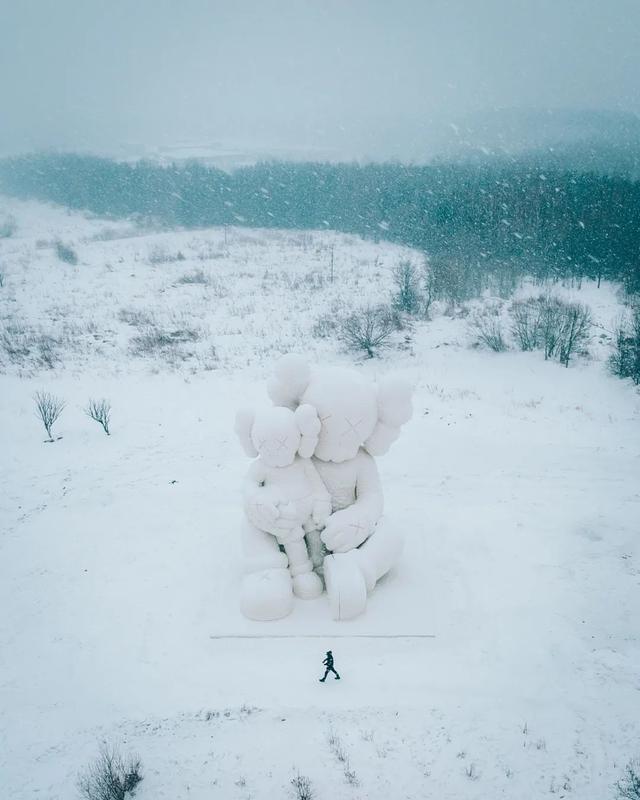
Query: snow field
{"x": 516, "y": 484}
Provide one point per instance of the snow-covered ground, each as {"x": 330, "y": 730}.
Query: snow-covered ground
{"x": 516, "y": 484}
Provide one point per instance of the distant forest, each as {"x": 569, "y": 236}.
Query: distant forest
{"x": 544, "y": 222}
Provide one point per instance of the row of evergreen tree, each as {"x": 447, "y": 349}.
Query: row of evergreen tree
{"x": 553, "y": 222}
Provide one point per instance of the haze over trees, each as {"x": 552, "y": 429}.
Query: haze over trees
{"x": 505, "y": 216}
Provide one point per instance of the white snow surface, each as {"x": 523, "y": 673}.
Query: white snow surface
{"x": 516, "y": 485}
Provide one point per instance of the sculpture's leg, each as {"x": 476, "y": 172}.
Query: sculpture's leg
{"x": 266, "y": 592}
{"x": 350, "y": 576}
{"x": 306, "y": 584}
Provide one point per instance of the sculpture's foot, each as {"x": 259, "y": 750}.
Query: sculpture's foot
{"x": 266, "y": 595}
{"x": 346, "y": 585}
{"x": 307, "y": 586}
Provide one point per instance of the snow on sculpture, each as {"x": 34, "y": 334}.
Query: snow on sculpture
{"x": 344, "y": 420}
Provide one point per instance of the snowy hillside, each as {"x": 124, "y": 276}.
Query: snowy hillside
{"x": 500, "y": 659}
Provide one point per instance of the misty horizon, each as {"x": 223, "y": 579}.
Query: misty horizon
{"x": 359, "y": 81}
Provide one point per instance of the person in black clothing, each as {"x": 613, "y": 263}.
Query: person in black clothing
{"x": 328, "y": 662}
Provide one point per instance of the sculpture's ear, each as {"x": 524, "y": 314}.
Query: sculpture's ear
{"x": 244, "y": 423}
{"x": 290, "y": 378}
{"x": 394, "y": 410}
{"x": 309, "y": 426}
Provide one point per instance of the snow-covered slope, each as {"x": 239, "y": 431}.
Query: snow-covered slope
{"x": 507, "y": 650}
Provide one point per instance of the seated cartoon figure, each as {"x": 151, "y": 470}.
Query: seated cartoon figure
{"x": 359, "y": 419}
{"x": 284, "y": 497}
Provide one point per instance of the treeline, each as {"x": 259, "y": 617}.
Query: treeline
{"x": 510, "y": 216}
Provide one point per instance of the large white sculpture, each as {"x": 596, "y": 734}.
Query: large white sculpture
{"x": 334, "y": 499}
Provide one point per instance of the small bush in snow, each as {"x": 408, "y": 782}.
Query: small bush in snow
{"x": 628, "y": 787}
{"x": 7, "y": 227}
{"x": 548, "y": 323}
{"x": 526, "y": 323}
{"x": 302, "y": 787}
{"x": 66, "y": 253}
{"x": 154, "y": 340}
{"x": 488, "y": 329}
{"x": 198, "y": 276}
{"x": 100, "y": 411}
{"x": 368, "y": 330}
{"x": 160, "y": 255}
{"x": 406, "y": 297}
{"x": 48, "y": 407}
{"x": 624, "y": 362}
{"x": 1, "y": 279}
{"x": 324, "y": 327}
{"x": 110, "y": 777}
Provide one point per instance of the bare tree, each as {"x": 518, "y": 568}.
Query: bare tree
{"x": 110, "y": 777}
{"x": 368, "y": 329}
{"x": 625, "y": 359}
{"x": 49, "y": 408}
{"x": 576, "y": 328}
{"x": 406, "y": 298}
{"x": 100, "y": 411}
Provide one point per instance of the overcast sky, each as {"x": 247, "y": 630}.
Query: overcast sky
{"x": 343, "y": 74}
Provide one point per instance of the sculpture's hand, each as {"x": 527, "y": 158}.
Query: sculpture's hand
{"x": 261, "y": 512}
{"x": 287, "y": 527}
{"x": 321, "y": 512}
{"x": 345, "y": 531}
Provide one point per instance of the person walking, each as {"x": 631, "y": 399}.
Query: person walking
{"x": 328, "y": 662}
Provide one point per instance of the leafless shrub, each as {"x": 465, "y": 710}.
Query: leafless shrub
{"x": 48, "y": 407}
{"x": 110, "y": 777}
{"x": 1, "y": 279}
{"x": 135, "y": 317}
{"x": 8, "y": 227}
{"x": 526, "y": 323}
{"x": 406, "y": 297}
{"x": 100, "y": 411}
{"x": 559, "y": 328}
{"x": 628, "y": 787}
{"x": 488, "y": 329}
{"x": 23, "y": 345}
{"x": 197, "y": 276}
{"x": 160, "y": 255}
{"x": 368, "y": 330}
{"x": 624, "y": 362}
{"x": 324, "y": 327}
{"x": 576, "y": 328}
{"x": 156, "y": 341}
{"x": 65, "y": 252}
{"x": 429, "y": 289}
{"x": 302, "y": 787}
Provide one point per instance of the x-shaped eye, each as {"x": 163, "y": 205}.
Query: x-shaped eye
{"x": 352, "y": 427}
{"x": 281, "y": 444}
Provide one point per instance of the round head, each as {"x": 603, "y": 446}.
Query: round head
{"x": 346, "y": 404}
{"x": 278, "y": 434}
{"x": 354, "y": 411}
{"x": 275, "y": 436}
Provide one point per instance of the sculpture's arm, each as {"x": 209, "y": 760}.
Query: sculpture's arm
{"x": 321, "y": 497}
{"x": 350, "y": 527}
{"x": 259, "y": 507}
